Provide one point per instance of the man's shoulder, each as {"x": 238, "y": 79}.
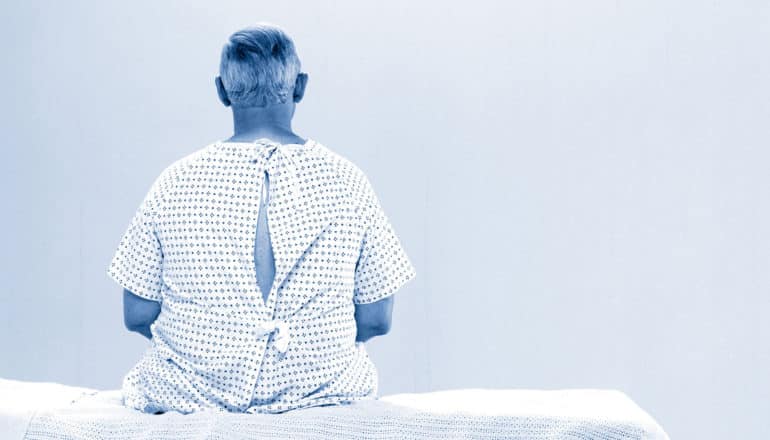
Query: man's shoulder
{"x": 350, "y": 176}
{"x": 193, "y": 158}
{"x": 179, "y": 168}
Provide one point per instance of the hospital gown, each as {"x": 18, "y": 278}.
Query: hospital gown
{"x": 216, "y": 344}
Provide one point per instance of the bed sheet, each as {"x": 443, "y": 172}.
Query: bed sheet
{"x": 46, "y": 410}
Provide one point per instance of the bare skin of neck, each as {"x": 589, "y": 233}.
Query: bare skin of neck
{"x": 272, "y": 122}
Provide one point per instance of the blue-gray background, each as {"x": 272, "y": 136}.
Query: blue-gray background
{"x": 582, "y": 186}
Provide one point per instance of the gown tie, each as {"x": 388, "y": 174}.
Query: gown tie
{"x": 283, "y": 337}
{"x": 278, "y": 157}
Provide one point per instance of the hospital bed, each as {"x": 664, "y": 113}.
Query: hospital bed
{"x": 48, "y": 410}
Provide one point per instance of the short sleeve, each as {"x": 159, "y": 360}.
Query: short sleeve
{"x": 138, "y": 260}
{"x": 383, "y": 266}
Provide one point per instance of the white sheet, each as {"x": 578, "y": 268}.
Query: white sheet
{"x": 44, "y": 410}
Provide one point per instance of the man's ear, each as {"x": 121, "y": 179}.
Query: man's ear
{"x": 222, "y": 92}
{"x": 299, "y": 87}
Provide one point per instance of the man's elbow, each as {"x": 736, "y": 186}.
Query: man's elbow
{"x": 378, "y": 329}
{"x": 139, "y": 313}
{"x": 375, "y": 318}
{"x": 382, "y": 328}
{"x": 366, "y": 332}
{"x": 373, "y": 327}
{"x": 134, "y": 326}
{"x": 136, "y": 323}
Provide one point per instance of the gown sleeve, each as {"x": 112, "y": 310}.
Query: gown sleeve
{"x": 383, "y": 266}
{"x": 138, "y": 260}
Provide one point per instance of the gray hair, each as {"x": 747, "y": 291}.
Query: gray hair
{"x": 259, "y": 66}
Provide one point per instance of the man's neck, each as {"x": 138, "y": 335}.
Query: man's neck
{"x": 272, "y": 122}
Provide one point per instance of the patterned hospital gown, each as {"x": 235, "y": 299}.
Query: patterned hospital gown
{"x": 216, "y": 344}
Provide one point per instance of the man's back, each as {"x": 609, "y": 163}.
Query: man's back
{"x": 217, "y": 342}
{"x": 264, "y": 260}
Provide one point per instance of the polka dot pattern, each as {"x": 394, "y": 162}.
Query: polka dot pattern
{"x": 190, "y": 246}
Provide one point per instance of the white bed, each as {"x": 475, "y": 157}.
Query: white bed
{"x": 46, "y": 410}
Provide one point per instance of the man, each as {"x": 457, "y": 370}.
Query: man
{"x": 260, "y": 264}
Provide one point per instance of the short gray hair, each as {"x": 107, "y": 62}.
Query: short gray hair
{"x": 259, "y": 66}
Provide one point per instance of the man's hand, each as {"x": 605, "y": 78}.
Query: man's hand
{"x": 139, "y": 313}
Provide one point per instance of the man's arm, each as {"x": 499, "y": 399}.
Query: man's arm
{"x": 139, "y": 313}
{"x": 374, "y": 319}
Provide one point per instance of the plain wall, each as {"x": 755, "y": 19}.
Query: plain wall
{"x": 583, "y": 187}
